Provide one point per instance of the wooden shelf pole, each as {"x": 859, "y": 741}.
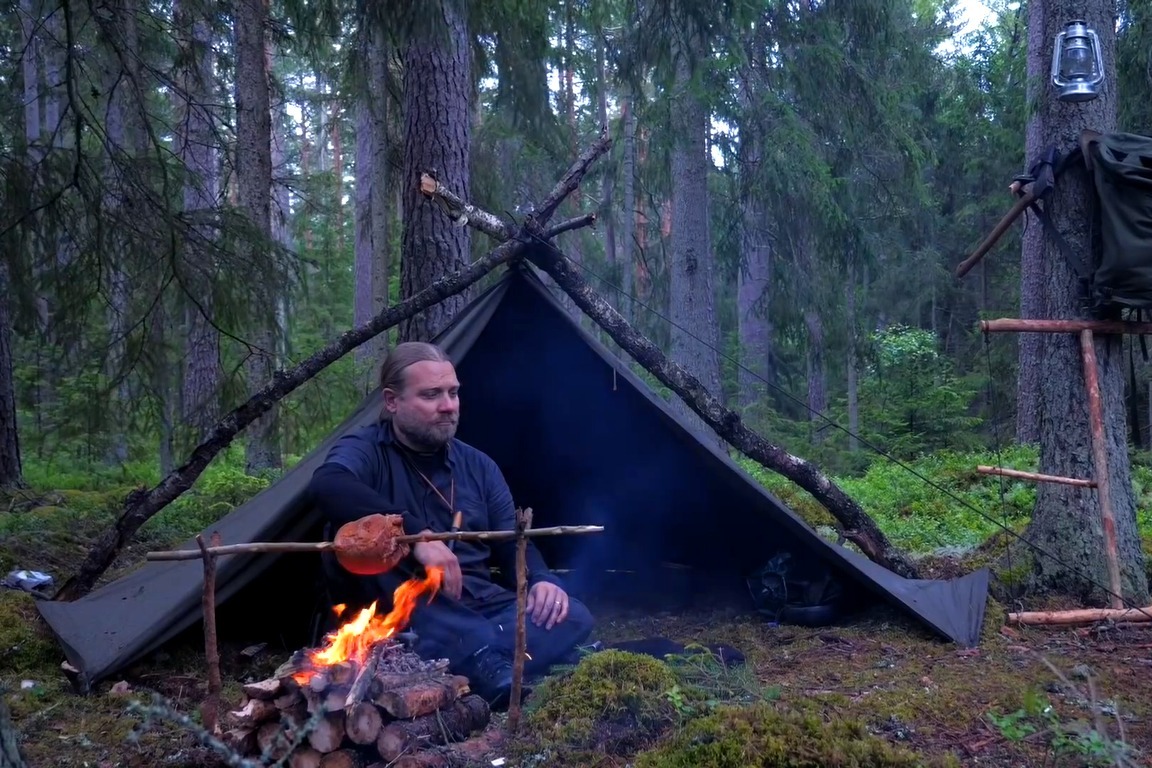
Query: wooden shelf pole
{"x": 1100, "y": 460}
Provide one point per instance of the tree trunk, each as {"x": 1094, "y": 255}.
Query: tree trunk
{"x": 372, "y": 196}
{"x": 11, "y": 471}
{"x": 816, "y": 373}
{"x": 30, "y": 18}
{"x": 196, "y": 148}
{"x": 254, "y": 178}
{"x": 1066, "y": 522}
{"x": 438, "y": 131}
{"x": 1032, "y": 301}
{"x": 753, "y": 280}
{"x": 695, "y": 336}
{"x": 607, "y": 215}
{"x": 850, "y": 364}
{"x": 858, "y": 526}
{"x": 125, "y": 150}
{"x": 628, "y": 172}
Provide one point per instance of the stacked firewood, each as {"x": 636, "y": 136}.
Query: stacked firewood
{"x": 395, "y": 709}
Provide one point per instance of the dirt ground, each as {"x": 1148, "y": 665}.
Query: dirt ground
{"x": 904, "y": 685}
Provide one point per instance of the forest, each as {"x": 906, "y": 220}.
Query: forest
{"x": 212, "y": 219}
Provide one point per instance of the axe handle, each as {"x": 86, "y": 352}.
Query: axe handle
{"x": 997, "y": 232}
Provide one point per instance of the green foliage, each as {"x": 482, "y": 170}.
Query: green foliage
{"x": 918, "y": 517}
{"x": 25, "y": 644}
{"x": 1077, "y": 739}
{"x": 770, "y": 737}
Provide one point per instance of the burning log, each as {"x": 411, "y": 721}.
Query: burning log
{"x": 464, "y": 717}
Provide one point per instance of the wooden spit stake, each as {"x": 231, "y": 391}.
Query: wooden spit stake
{"x": 269, "y": 547}
{"x": 210, "y": 707}
{"x": 523, "y": 523}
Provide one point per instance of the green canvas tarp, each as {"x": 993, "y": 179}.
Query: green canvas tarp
{"x": 582, "y": 440}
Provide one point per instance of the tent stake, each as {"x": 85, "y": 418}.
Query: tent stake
{"x": 523, "y": 523}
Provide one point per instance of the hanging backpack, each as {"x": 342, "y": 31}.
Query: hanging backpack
{"x": 1120, "y": 165}
{"x": 1120, "y": 170}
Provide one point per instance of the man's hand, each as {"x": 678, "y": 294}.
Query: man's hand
{"x": 435, "y": 554}
{"x": 547, "y": 604}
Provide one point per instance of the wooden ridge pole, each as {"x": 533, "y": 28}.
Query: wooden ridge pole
{"x": 1100, "y": 460}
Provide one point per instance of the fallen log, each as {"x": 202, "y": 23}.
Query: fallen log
{"x": 422, "y": 698}
{"x": 454, "y": 723}
{"x": 1081, "y": 616}
{"x": 858, "y": 526}
{"x": 142, "y": 504}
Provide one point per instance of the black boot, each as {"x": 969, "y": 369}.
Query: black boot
{"x": 489, "y": 674}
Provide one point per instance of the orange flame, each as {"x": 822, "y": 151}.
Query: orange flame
{"x": 353, "y": 640}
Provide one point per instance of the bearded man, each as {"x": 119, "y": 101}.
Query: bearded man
{"x": 410, "y": 463}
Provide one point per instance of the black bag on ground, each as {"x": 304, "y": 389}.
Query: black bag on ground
{"x": 1120, "y": 167}
{"x": 793, "y": 590}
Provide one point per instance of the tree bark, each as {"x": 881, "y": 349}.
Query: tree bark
{"x": 628, "y": 228}
{"x": 254, "y": 177}
{"x": 372, "y": 195}
{"x": 1066, "y": 524}
{"x": 195, "y": 147}
{"x": 695, "y": 336}
{"x": 858, "y": 526}
{"x": 1032, "y": 302}
{"x": 438, "y": 134}
{"x": 11, "y": 470}
{"x": 140, "y": 506}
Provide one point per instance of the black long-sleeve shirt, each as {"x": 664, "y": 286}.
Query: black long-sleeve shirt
{"x": 368, "y": 471}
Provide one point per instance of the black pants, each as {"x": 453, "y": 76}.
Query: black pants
{"x": 456, "y": 629}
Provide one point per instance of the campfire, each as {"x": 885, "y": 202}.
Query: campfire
{"x": 364, "y": 698}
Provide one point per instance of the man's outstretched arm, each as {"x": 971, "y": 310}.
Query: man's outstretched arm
{"x": 344, "y": 486}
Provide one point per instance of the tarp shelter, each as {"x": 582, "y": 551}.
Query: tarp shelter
{"x": 582, "y": 439}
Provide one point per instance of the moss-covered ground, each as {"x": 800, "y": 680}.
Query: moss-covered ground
{"x": 877, "y": 692}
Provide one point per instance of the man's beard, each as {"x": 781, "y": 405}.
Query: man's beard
{"x": 428, "y": 437}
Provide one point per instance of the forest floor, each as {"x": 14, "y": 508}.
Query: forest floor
{"x": 877, "y": 691}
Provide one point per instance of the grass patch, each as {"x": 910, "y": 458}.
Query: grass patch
{"x": 767, "y": 736}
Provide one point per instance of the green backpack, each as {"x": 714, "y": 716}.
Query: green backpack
{"x": 1120, "y": 165}
{"x": 1120, "y": 168}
